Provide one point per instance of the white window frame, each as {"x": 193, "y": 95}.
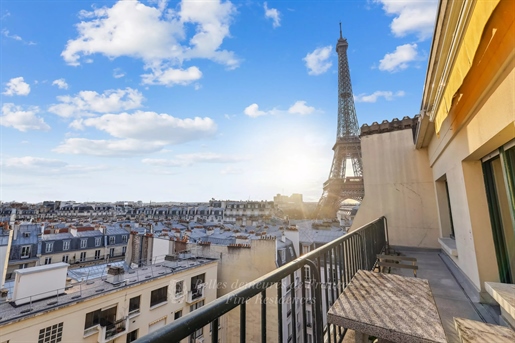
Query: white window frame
{"x": 181, "y": 285}
{"x": 25, "y": 251}
{"x": 98, "y": 241}
{"x": 82, "y": 257}
{"x": 112, "y": 240}
{"x": 66, "y": 245}
{"x": 48, "y": 260}
{"x": 49, "y": 246}
{"x": 125, "y": 238}
{"x": 65, "y": 258}
{"x": 84, "y": 243}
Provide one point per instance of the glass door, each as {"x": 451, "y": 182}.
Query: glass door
{"x": 499, "y": 182}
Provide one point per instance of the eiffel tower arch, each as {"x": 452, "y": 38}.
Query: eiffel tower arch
{"x": 341, "y": 184}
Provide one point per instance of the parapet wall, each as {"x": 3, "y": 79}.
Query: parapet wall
{"x": 389, "y": 126}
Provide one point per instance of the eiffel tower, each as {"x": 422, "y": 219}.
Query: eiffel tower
{"x": 340, "y": 185}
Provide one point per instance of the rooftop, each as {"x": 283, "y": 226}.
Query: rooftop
{"x": 93, "y": 284}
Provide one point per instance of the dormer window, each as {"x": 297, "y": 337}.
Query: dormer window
{"x": 26, "y": 234}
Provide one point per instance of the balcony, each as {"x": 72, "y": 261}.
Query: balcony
{"x": 196, "y": 294}
{"x": 113, "y": 330}
{"x": 343, "y": 258}
{"x": 363, "y": 245}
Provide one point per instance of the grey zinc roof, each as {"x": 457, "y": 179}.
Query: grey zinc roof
{"x": 116, "y": 231}
{"x": 93, "y": 233}
{"x": 56, "y": 236}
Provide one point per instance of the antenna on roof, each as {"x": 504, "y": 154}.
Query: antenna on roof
{"x": 341, "y": 29}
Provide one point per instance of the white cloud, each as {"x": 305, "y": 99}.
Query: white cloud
{"x": 399, "y": 59}
{"x": 253, "y": 111}
{"x": 87, "y": 102}
{"x": 151, "y": 126}
{"x": 231, "y": 171}
{"x": 17, "y": 86}
{"x": 38, "y": 165}
{"x": 15, "y": 117}
{"x": 171, "y": 76}
{"x": 61, "y": 83}
{"x": 273, "y": 14}
{"x": 190, "y": 159}
{"x": 155, "y": 34}
{"x": 107, "y": 148}
{"x": 411, "y": 16}
{"x": 301, "y": 108}
{"x": 118, "y": 73}
{"x": 317, "y": 61}
{"x": 387, "y": 95}
{"x": 6, "y": 33}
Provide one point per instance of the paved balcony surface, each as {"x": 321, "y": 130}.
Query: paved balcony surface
{"x": 454, "y": 295}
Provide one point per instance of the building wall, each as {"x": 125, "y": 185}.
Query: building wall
{"x": 457, "y": 156}
{"x": 238, "y": 266}
{"x": 73, "y": 316}
{"x": 398, "y": 185}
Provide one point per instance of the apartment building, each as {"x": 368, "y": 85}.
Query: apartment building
{"x": 119, "y": 305}
{"x": 39, "y": 244}
{"x": 447, "y": 180}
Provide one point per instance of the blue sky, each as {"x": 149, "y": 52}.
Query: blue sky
{"x": 189, "y": 100}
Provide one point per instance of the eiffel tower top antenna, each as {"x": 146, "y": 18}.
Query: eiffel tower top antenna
{"x": 341, "y": 30}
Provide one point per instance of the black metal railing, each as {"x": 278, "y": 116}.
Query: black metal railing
{"x": 332, "y": 266}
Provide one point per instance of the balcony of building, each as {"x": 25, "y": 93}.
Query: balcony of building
{"x": 332, "y": 266}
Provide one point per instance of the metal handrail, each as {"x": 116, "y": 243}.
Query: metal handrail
{"x": 345, "y": 256}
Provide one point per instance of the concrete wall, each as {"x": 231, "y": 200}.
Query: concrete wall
{"x": 399, "y": 185}
{"x": 456, "y": 154}
{"x": 238, "y": 266}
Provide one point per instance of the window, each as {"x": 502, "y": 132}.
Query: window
{"x": 179, "y": 285}
{"x": 308, "y": 318}
{"x": 196, "y": 334}
{"x": 132, "y": 336}
{"x": 283, "y": 255}
{"x": 83, "y": 256}
{"x": 196, "y": 305}
{"x": 23, "y": 266}
{"x": 104, "y": 318}
{"x": 124, "y": 250}
{"x": 159, "y": 296}
{"x": 25, "y": 251}
{"x": 305, "y": 249}
{"x": 65, "y": 258}
{"x": 196, "y": 281}
{"x": 125, "y": 238}
{"x": 83, "y": 243}
{"x": 499, "y": 178}
{"x": 111, "y": 252}
{"x": 98, "y": 240}
{"x": 48, "y": 260}
{"x": 134, "y": 304}
{"x": 97, "y": 254}
{"x": 49, "y": 247}
{"x": 177, "y": 315}
{"x": 66, "y": 245}
{"x": 51, "y": 334}
{"x": 112, "y": 240}
{"x": 307, "y": 273}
